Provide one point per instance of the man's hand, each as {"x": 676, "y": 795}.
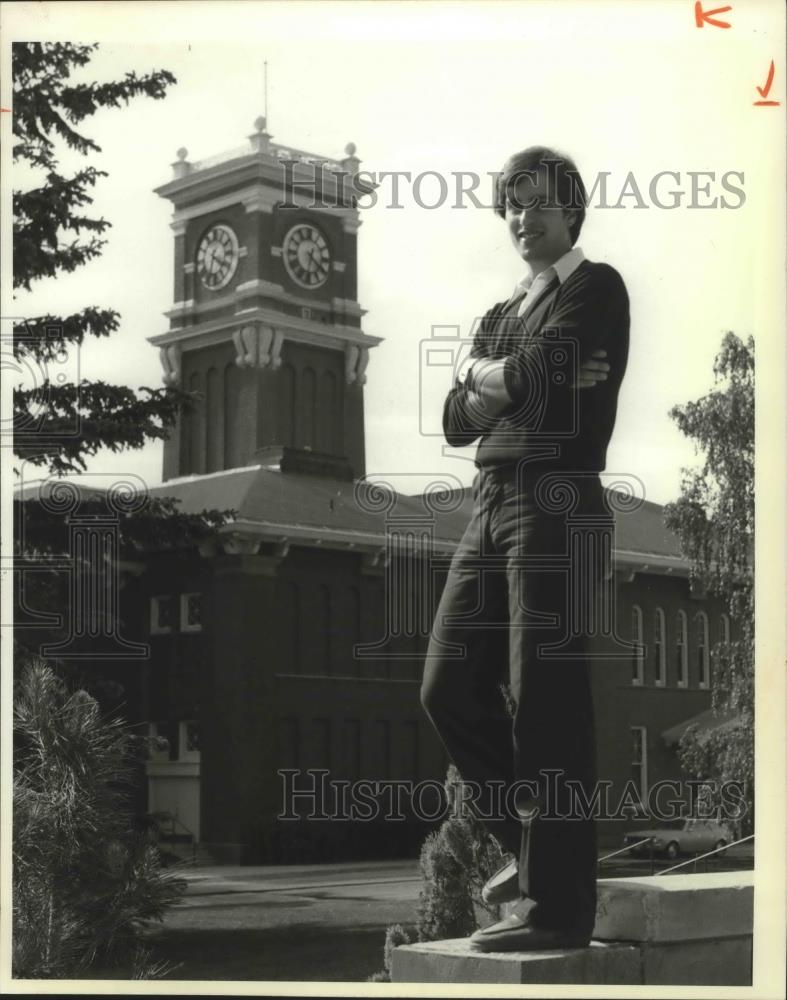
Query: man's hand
{"x": 594, "y": 370}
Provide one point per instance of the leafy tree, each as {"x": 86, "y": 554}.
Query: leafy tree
{"x": 714, "y": 519}
{"x": 59, "y": 426}
{"x": 86, "y": 883}
{"x": 53, "y": 234}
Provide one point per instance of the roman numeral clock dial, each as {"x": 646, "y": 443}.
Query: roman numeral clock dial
{"x": 217, "y": 257}
{"x": 306, "y": 256}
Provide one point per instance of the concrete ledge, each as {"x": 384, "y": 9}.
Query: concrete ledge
{"x": 675, "y": 907}
{"x": 671, "y": 930}
{"x": 454, "y": 961}
{"x": 727, "y": 962}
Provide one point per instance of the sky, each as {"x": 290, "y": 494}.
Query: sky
{"x": 627, "y": 89}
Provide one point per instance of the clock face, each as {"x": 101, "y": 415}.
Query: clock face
{"x": 306, "y": 255}
{"x": 217, "y": 257}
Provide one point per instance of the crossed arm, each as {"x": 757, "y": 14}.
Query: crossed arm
{"x": 589, "y": 313}
{"x": 488, "y": 394}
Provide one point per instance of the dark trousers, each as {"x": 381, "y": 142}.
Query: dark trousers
{"x": 512, "y": 590}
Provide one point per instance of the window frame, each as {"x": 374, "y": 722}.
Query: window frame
{"x": 682, "y": 648}
{"x": 184, "y": 608}
{"x": 660, "y": 647}
{"x": 703, "y": 651}
{"x": 155, "y": 604}
{"x": 638, "y": 628}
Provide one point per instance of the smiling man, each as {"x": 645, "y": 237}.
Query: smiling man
{"x": 539, "y": 389}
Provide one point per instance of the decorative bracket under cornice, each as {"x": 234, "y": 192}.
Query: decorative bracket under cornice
{"x": 356, "y": 359}
{"x": 258, "y": 346}
{"x": 170, "y": 356}
{"x": 375, "y": 562}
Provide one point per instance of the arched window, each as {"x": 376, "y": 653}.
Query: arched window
{"x": 307, "y": 404}
{"x": 195, "y": 423}
{"x": 325, "y": 628}
{"x": 214, "y": 413}
{"x": 232, "y": 429}
{"x": 286, "y": 408}
{"x": 703, "y": 663}
{"x": 353, "y": 632}
{"x": 291, "y": 628}
{"x": 327, "y": 410}
{"x": 660, "y": 648}
{"x": 638, "y": 660}
{"x": 721, "y": 651}
{"x": 682, "y": 650}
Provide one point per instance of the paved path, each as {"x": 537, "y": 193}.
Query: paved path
{"x": 288, "y": 923}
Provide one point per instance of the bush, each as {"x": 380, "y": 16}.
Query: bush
{"x": 86, "y": 884}
{"x": 456, "y": 860}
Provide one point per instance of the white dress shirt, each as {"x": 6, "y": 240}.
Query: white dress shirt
{"x": 562, "y": 268}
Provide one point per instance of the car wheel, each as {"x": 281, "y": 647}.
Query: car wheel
{"x": 720, "y": 844}
{"x": 672, "y": 850}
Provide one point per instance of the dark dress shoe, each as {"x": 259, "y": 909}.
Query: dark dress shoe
{"x": 503, "y": 886}
{"x": 516, "y": 934}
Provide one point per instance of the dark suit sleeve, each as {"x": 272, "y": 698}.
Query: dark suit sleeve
{"x": 459, "y": 427}
{"x": 588, "y": 315}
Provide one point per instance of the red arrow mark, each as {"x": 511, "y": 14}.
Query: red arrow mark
{"x": 764, "y": 91}
{"x": 702, "y": 17}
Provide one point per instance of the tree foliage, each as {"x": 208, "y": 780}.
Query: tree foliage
{"x": 60, "y": 425}
{"x": 57, "y": 425}
{"x": 714, "y": 520}
{"x": 86, "y": 883}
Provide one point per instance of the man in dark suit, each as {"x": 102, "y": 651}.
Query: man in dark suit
{"x": 540, "y": 389}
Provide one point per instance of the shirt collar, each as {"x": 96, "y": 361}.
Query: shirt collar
{"x": 563, "y": 268}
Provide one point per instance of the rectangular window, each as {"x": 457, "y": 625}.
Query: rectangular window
{"x": 162, "y": 614}
{"x": 191, "y": 612}
{"x": 189, "y": 740}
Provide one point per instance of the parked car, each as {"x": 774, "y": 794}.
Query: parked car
{"x": 682, "y": 836}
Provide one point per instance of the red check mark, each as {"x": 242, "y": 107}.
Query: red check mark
{"x": 703, "y": 17}
{"x": 764, "y": 91}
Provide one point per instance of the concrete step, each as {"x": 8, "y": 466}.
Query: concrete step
{"x": 657, "y": 930}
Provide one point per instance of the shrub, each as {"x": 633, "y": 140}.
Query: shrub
{"x": 456, "y": 860}
{"x": 86, "y": 884}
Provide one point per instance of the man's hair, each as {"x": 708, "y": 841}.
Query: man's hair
{"x": 561, "y": 171}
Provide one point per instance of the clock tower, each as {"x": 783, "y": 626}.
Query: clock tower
{"x": 265, "y": 326}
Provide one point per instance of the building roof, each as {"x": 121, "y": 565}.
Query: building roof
{"x": 315, "y": 509}
{"x": 300, "y": 506}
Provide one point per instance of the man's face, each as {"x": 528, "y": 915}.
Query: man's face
{"x": 538, "y": 226}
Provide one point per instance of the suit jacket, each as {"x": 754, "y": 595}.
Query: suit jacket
{"x": 550, "y": 421}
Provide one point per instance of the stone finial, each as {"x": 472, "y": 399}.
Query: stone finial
{"x": 181, "y": 166}
{"x": 350, "y": 163}
{"x": 261, "y": 139}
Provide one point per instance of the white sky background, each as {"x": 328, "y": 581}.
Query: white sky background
{"x": 418, "y": 87}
